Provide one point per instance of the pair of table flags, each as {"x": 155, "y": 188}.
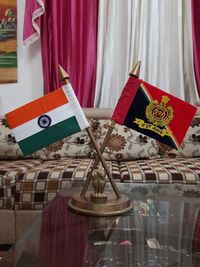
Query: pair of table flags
{"x": 141, "y": 107}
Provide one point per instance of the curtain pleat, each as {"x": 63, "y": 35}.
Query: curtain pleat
{"x": 34, "y": 10}
{"x": 69, "y": 38}
{"x": 158, "y": 33}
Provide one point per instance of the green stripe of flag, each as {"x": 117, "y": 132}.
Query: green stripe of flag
{"x": 49, "y": 135}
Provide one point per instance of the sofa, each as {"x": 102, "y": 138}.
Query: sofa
{"x": 28, "y": 184}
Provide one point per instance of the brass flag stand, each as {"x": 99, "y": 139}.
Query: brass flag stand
{"x": 135, "y": 72}
{"x": 97, "y": 202}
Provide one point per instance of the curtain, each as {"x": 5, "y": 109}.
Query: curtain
{"x": 195, "y": 5}
{"x": 158, "y": 33}
{"x": 69, "y": 38}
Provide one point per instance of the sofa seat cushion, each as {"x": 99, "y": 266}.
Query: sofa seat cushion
{"x": 163, "y": 170}
{"x": 35, "y": 188}
{"x": 9, "y": 167}
{"x": 9, "y": 170}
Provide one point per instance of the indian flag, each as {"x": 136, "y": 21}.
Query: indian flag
{"x": 47, "y": 119}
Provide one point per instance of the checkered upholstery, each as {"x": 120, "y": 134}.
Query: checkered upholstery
{"x": 31, "y": 184}
{"x": 9, "y": 172}
{"x": 162, "y": 170}
{"x": 36, "y": 187}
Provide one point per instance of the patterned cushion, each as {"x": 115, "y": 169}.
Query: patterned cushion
{"x": 124, "y": 143}
{"x": 77, "y": 146}
{"x": 190, "y": 147}
{"x": 8, "y": 175}
{"x": 35, "y": 188}
{"x": 184, "y": 171}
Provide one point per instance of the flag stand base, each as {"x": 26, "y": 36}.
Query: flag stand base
{"x": 112, "y": 206}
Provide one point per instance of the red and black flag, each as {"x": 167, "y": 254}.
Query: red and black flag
{"x": 153, "y": 112}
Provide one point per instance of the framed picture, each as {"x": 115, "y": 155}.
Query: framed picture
{"x": 8, "y": 41}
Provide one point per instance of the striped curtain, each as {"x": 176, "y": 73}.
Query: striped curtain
{"x": 98, "y": 42}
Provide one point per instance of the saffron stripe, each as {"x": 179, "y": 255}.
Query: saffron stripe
{"x": 36, "y": 108}
{"x": 49, "y": 135}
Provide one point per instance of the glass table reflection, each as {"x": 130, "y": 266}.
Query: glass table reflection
{"x": 163, "y": 229}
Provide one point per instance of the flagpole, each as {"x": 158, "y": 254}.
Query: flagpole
{"x": 95, "y": 164}
{"x": 65, "y": 78}
{"x": 98, "y": 202}
{"x": 134, "y": 72}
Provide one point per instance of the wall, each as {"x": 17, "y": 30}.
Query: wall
{"x": 30, "y": 80}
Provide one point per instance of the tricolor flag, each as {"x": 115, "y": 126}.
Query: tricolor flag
{"x": 47, "y": 119}
{"x": 153, "y": 112}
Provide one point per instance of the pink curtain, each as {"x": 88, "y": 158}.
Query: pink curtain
{"x": 69, "y": 38}
{"x": 196, "y": 39}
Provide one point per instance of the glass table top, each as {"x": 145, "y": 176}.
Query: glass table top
{"x": 163, "y": 229}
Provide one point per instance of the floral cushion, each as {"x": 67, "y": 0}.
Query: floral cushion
{"x": 77, "y": 145}
{"x": 124, "y": 143}
{"x": 190, "y": 146}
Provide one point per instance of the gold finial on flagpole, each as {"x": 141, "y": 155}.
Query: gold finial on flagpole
{"x": 64, "y": 76}
{"x": 136, "y": 69}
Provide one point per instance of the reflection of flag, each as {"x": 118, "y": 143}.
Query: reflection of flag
{"x": 153, "y": 112}
{"x": 47, "y": 119}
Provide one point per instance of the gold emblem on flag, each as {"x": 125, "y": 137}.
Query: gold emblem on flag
{"x": 159, "y": 114}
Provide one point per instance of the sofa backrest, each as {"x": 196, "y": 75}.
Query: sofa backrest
{"x": 98, "y": 113}
{"x": 124, "y": 144}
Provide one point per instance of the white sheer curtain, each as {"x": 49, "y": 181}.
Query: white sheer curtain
{"x": 157, "y": 32}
